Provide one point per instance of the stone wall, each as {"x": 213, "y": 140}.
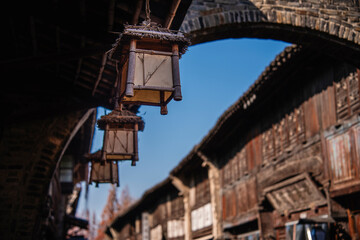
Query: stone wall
{"x": 29, "y": 153}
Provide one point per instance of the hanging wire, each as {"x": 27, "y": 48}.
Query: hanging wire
{"x": 147, "y": 10}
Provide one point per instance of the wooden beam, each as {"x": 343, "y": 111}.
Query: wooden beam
{"x": 33, "y": 35}
{"x": 183, "y": 189}
{"x": 111, "y": 15}
{"x": 137, "y": 12}
{"x": 78, "y": 69}
{"x": 103, "y": 63}
{"x": 31, "y": 62}
{"x": 170, "y": 17}
{"x": 13, "y": 33}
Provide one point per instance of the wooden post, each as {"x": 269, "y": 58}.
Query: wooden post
{"x": 91, "y": 172}
{"x": 111, "y": 172}
{"x": 131, "y": 70}
{"x": 352, "y": 230}
{"x": 163, "y": 107}
{"x": 184, "y": 190}
{"x": 118, "y": 82}
{"x": 214, "y": 184}
{"x": 176, "y": 72}
{"x": 117, "y": 174}
{"x": 106, "y": 134}
{"x": 135, "y": 140}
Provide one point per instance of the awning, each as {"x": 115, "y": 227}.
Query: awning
{"x": 317, "y": 219}
{"x": 295, "y": 194}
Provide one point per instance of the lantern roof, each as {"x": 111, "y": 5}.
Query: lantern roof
{"x": 151, "y": 31}
{"x": 120, "y": 117}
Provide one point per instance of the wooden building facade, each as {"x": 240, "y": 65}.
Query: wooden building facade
{"x": 283, "y": 162}
{"x": 157, "y": 215}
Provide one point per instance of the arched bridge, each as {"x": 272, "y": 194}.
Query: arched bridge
{"x": 332, "y": 24}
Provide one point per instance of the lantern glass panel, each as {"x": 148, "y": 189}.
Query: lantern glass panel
{"x": 104, "y": 172}
{"x": 153, "y": 71}
{"x": 120, "y": 144}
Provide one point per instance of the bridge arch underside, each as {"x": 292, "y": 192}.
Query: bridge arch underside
{"x": 336, "y": 34}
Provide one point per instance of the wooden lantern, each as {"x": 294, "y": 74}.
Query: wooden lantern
{"x": 149, "y": 61}
{"x": 103, "y": 171}
{"x": 121, "y": 136}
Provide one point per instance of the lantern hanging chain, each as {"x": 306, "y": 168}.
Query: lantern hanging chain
{"x": 147, "y": 10}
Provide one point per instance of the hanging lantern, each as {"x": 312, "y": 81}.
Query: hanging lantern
{"x": 103, "y": 171}
{"x": 121, "y": 136}
{"x": 149, "y": 61}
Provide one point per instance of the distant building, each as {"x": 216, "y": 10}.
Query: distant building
{"x": 60, "y": 221}
{"x": 283, "y": 162}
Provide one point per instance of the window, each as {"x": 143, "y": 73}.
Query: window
{"x": 66, "y": 169}
{"x": 300, "y": 231}
{"x": 343, "y": 154}
{"x": 347, "y": 95}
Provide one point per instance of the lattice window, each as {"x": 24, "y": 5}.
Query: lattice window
{"x": 354, "y": 91}
{"x": 277, "y": 139}
{"x": 284, "y": 133}
{"x": 347, "y": 95}
{"x": 268, "y": 146}
{"x": 288, "y": 132}
{"x": 296, "y": 126}
{"x": 235, "y": 169}
{"x": 242, "y": 162}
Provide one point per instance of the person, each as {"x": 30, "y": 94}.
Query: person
{"x": 317, "y": 233}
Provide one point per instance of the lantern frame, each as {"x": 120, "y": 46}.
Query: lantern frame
{"x": 115, "y": 125}
{"x": 163, "y": 48}
{"x": 103, "y": 171}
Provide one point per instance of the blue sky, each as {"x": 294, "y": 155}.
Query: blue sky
{"x": 213, "y": 76}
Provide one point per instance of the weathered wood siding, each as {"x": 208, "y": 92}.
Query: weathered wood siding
{"x": 298, "y": 152}
{"x": 175, "y": 219}
{"x": 315, "y": 129}
{"x": 167, "y": 216}
{"x": 200, "y": 203}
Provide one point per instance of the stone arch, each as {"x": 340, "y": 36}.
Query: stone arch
{"x": 334, "y": 22}
{"x": 30, "y": 152}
